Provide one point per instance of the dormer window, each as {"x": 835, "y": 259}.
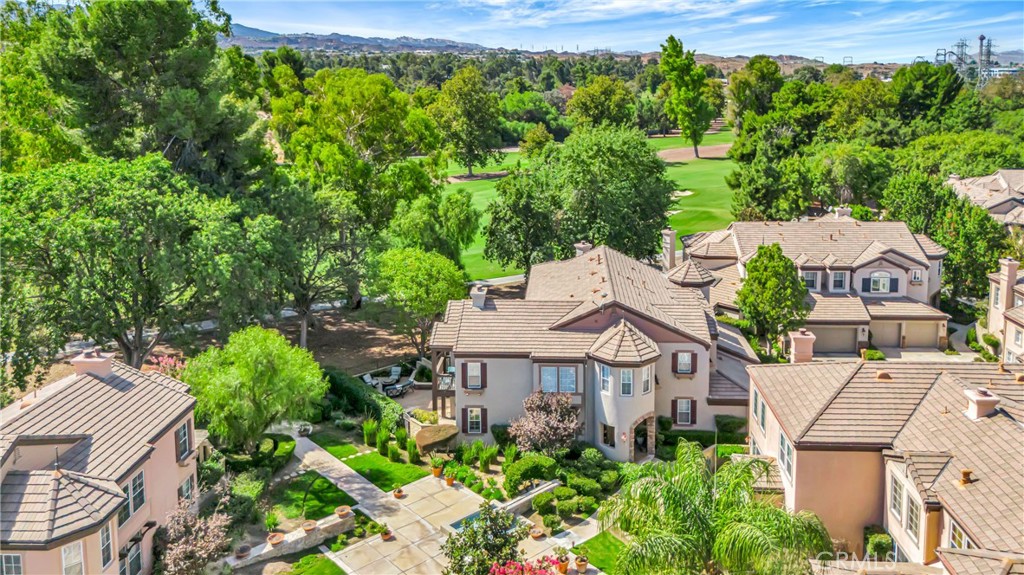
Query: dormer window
{"x": 915, "y": 276}
{"x": 838, "y": 281}
{"x": 811, "y": 280}
{"x": 882, "y": 282}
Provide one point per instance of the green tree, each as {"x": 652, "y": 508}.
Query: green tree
{"x": 256, "y": 380}
{"x": 846, "y": 173}
{"x": 115, "y": 250}
{"x": 469, "y": 117}
{"x": 436, "y": 222}
{"x": 686, "y": 102}
{"x": 916, "y": 199}
{"x": 975, "y": 241}
{"x": 968, "y": 154}
{"x": 967, "y": 112}
{"x": 603, "y": 100}
{"x": 535, "y": 141}
{"x": 684, "y": 518}
{"x": 772, "y": 296}
{"x": 751, "y": 89}
{"x": 521, "y": 220}
{"x": 858, "y": 103}
{"x": 28, "y": 342}
{"x": 923, "y": 91}
{"x": 418, "y": 286}
{"x": 491, "y": 537}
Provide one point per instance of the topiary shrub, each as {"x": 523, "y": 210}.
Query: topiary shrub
{"x": 664, "y": 423}
{"x": 544, "y": 503}
{"x": 730, "y": 423}
{"x": 879, "y": 545}
{"x": 436, "y": 438}
{"x": 530, "y": 467}
{"x": 874, "y": 355}
{"x": 583, "y": 485}
{"x": 500, "y": 434}
{"x": 565, "y": 508}
{"x": 552, "y": 521}
{"x": 587, "y": 505}
{"x": 562, "y": 493}
{"x": 401, "y": 436}
{"x": 394, "y": 453}
{"x": 991, "y": 341}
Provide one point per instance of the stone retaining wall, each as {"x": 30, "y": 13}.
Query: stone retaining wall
{"x": 296, "y": 541}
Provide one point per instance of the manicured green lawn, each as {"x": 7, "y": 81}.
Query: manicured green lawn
{"x": 601, "y": 550}
{"x": 335, "y": 442}
{"x": 383, "y": 472}
{"x": 323, "y": 497}
{"x": 317, "y": 564}
{"x": 670, "y": 142}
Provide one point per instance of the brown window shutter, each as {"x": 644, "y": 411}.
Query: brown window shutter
{"x": 693, "y": 363}
{"x": 693, "y": 411}
{"x": 465, "y": 376}
{"x": 675, "y": 362}
{"x": 483, "y": 376}
{"x": 465, "y": 419}
{"x": 675, "y": 411}
{"x": 483, "y": 420}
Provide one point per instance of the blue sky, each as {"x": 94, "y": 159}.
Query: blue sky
{"x": 884, "y": 31}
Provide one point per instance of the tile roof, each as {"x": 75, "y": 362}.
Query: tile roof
{"x": 723, "y": 293}
{"x": 691, "y": 273}
{"x": 836, "y": 308}
{"x": 797, "y": 392}
{"x": 871, "y": 567}
{"x": 981, "y": 562}
{"x": 42, "y": 506}
{"x": 930, "y": 247}
{"x": 718, "y": 244}
{"x": 902, "y": 308}
{"x": 991, "y": 190}
{"x": 722, "y": 389}
{"x": 766, "y": 480}
{"x": 624, "y": 343}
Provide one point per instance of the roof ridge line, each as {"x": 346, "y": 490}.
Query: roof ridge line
{"x": 828, "y": 403}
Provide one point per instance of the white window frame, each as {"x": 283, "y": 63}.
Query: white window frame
{"x": 1018, "y": 336}
{"x": 840, "y": 275}
{"x": 810, "y": 279}
{"x": 995, "y": 297}
{"x": 605, "y": 373}
{"x": 689, "y": 363}
{"x": 474, "y": 381}
{"x": 187, "y": 488}
{"x": 76, "y": 565}
{"x": 136, "y": 486}
{"x": 180, "y": 438}
{"x": 645, "y": 378}
{"x": 124, "y": 566}
{"x": 880, "y": 277}
{"x": 1010, "y": 357}
{"x": 626, "y": 377}
{"x": 688, "y": 411}
{"x": 958, "y": 538}
{"x": 896, "y": 498}
{"x": 106, "y": 546}
{"x": 479, "y": 420}
{"x": 915, "y": 276}
{"x": 11, "y": 564}
{"x": 785, "y": 456}
{"x": 913, "y": 521}
{"x": 548, "y": 369}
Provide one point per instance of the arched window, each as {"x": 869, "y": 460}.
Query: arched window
{"x": 880, "y": 282}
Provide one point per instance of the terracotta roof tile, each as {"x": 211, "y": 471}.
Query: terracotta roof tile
{"x": 981, "y": 562}
{"x": 691, "y": 273}
{"x": 624, "y": 343}
{"x": 902, "y": 308}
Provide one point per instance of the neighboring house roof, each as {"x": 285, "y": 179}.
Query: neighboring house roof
{"x": 767, "y": 481}
{"x": 723, "y": 293}
{"x": 848, "y": 403}
{"x": 100, "y": 431}
{"x": 871, "y": 567}
{"x": 839, "y": 242}
{"x": 732, "y": 341}
{"x": 623, "y": 343}
{"x": 981, "y": 562}
{"x": 932, "y": 249}
{"x": 691, "y": 273}
{"x": 718, "y": 244}
{"x": 901, "y": 308}
{"x": 836, "y": 308}
{"x": 992, "y": 191}
{"x": 1016, "y": 314}
{"x": 722, "y": 390}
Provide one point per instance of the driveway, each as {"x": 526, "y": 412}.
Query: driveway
{"x": 924, "y": 354}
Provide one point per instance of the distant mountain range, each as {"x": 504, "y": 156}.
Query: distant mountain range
{"x": 255, "y": 39}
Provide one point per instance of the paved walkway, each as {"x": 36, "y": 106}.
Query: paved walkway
{"x": 959, "y": 339}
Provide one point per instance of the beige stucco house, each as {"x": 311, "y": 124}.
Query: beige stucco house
{"x": 868, "y": 282}
{"x": 931, "y": 451}
{"x": 91, "y": 466}
{"x": 1001, "y": 194}
{"x": 1006, "y": 309}
{"x": 629, "y": 341}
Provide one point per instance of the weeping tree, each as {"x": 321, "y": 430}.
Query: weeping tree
{"x": 682, "y": 518}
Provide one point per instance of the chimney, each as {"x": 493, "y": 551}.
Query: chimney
{"x": 479, "y": 296}
{"x": 801, "y": 346}
{"x": 1007, "y": 279}
{"x": 980, "y": 403}
{"x": 583, "y": 247}
{"x": 94, "y": 362}
{"x": 668, "y": 248}
{"x": 840, "y": 212}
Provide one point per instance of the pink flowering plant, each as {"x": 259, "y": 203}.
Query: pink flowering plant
{"x": 542, "y": 566}
{"x": 169, "y": 365}
{"x": 550, "y": 422}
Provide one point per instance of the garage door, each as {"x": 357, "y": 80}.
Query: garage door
{"x": 922, "y": 334}
{"x": 835, "y": 339}
{"x": 885, "y": 333}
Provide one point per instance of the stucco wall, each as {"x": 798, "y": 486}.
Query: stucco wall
{"x": 895, "y": 526}
{"x": 509, "y": 381}
{"x": 844, "y": 488}
{"x": 766, "y": 442}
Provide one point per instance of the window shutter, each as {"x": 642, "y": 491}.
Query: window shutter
{"x": 465, "y": 420}
{"x": 483, "y": 375}
{"x": 693, "y": 411}
{"x": 483, "y": 420}
{"x": 865, "y": 285}
{"x": 675, "y": 362}
{"x": 675, "y": 411}
{"x": 693, "y": 362}
{"x": 465, "y": 376}
{"x": 894, "y": 285}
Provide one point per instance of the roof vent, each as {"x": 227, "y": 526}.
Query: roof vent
{"x": 1019, "y": 378}
{"x": 882, "y": 375}
{"x": 1002, "y": 368}
{"x": 965, "y": 477}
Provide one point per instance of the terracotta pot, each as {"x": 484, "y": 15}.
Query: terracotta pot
{"x": 581, "y": 565}
{"x": 343, "y": 511}
{"x": 308, "y": 526}
{"x": 449, "y": 481}
{"x": 563, "y": 566}
{"x": 242, "y": 551}
{"x": 436, "y": 471}
{"x": 387, "y": 535}
{"x": 275, "y": 539}
{"x": 536, "y": 533}
{"x": 399, "y": 494}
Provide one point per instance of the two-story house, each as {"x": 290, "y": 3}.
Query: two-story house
{"x": 868, "y": 282}
{"x": 930, "y": 451}
{"x": 1001, "y": 194}
{"x": 629, "y": 341}
{"x": 1006, "y": 309}
{"x": 91, "y": 466}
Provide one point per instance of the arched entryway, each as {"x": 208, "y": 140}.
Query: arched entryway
{"x": 641, "y": 437}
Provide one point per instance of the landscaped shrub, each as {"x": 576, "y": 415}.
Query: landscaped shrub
{"x": 544, "y": 503}
{"x": 346, "y": 424}
{"x": 552, "y": 521}
{"x": 487, "y": 456}
{"x": 283, "y": 454}
{"x": 394, "y": 453}
{"x": 211, "y": 470}
{"x": 382, "y": 443}
{"x": 401, "y": 436}
{"x": 705, "y": 438}
{"x": 608, "y": 479}
{"x": 664, "y": 423}
{"x": 987, "y": 355}
{"x": 236, "y": 462}
{"x": 530, "y": 467}
{"x": 590, "y": 460}
{"x": 587, "y": 505}
{"x": 562, "y": 493}
{"x": 879, "y": 545}
{"x": 991, "y": 341}
{"x": 724, "y": 450}
{"x": 583, "y": 485}
{"x": 423, "y": 374}
{"x": 477, "y": 487}
{"x": 500, "y": 434}
{"x": 511, "y": 453}
{"x": 566, "y": 507}
{"x": 363, "y": 399}
{"x": 370, "y": 427}
{"x": 730, "y": 423}
{"x": 414, "y": 454}
{"x": 972, "y": 335}
{"x": 874, "y": 355}
{"x": 246, "y": 490}
{"x": 424, "y": 416}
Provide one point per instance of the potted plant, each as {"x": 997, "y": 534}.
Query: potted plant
{"x": 242, "y": 551}
{"x": 385, "y": 532}
{"x": 536, "y": 532}
{"x": 342, "y": 511}
{"x": 562, "y": 554}
{"x": 449, "y": 476}
{"x": 308, "y": 525}
{"x": 305, "y": 429}
{"x": 581, "y": 563}
{"x": 398, "y": 491}
{"x": 436, "y": 465}
{"x": 275, "y": 539}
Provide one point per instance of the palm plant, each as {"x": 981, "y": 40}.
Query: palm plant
{"x": 682, "y": 518}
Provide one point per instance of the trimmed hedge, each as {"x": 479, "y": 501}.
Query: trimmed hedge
{"x": 730, "y": 423}
{"x": 530, "y": 467}
{"x": 566, "y": 507}
{"x": 874, "y": 355}
{"x": 500, "y": 434}
{"x": 583, "y": 485}
{"x": 544, "y": 503}
{"x": 562, "y": 493}
{"x": 879, "y": 545}
{"x": 704, "y": 438}
{"x": 356, "y": 398}
{"x": 991, "y": 341}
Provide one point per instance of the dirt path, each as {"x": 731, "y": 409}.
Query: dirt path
{"x": 684, "y": 154}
